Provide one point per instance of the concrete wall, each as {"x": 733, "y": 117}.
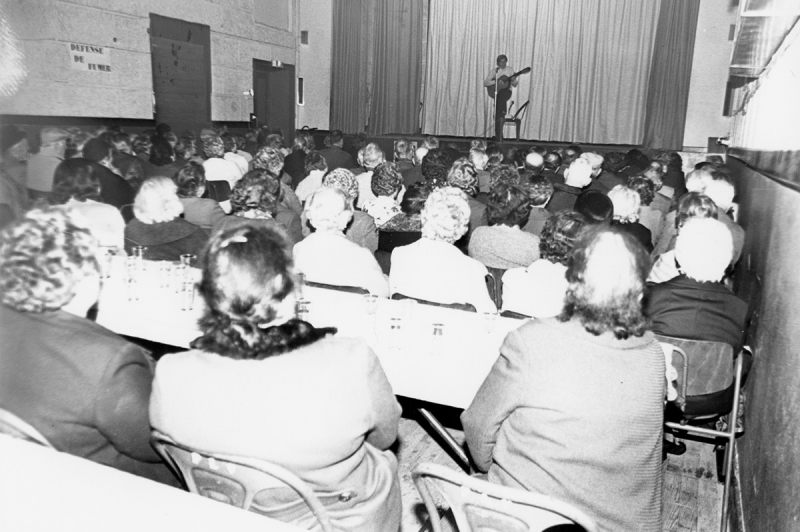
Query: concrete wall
{"x": 712, "y": 55}
{"x": 120, "y": 27}
{"x": 314, "y": 63}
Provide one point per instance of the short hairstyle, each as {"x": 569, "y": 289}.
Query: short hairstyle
{"x": 324, "y": 209}
{"x": 121, "y": 143}
{"x": 694, "y": 205}
{"x": 477, "y": 144}
{"x": 435, "y": 166}
{"x": 614, "y": 161}
{"x": 509, "y": 205}
{"x": 213, "y": 146}
{"x": 303, "y": 141}
{"x": 258, "y": 190}
{"x": 606, "y": 276}
{"x": 271, "y": 140}
{"x": 190, "y": 179}
{"x": 270, "y": 159}
{"x": 654, "y": 173}
{"x": 645, "y": 188}
{"x": 540, "y": 190}
{"x": 578, "y": 174}
{"x": 445, "y": 216}
{"x": 43, "y": 256}
{"x": 552, "y": 160}
{"x": 404, "y": 150}
{"x": 157, "y": 201}
{"x": 186, "y": 147}
{"x": 626, "y": 203}
{"x": 534, "y": 163}
{"x": 75, "y": 178}
{"x": 344, "y": 180}
{"x": 334, "y": 137}
{"x": 386, "y": 180}
{"x": 559, "y": 234}
{"x": 162, "y": 129}
{"x": 371, "y": 156}
{"x": 571, "y": 153}
{"x": 141, "y": 144}
{"x": 721, "y": 192}
{"x": 636, "y": 160}
{"x": 503, "y": 173}
{"x": 502, "y": 57}
{"x": 703, "y": 249}
{"x": 463, "y": 175}
{"x": 595, "y": 206}
{"x": 315, "y": 161}
{"x": 478, "y": 158}
{"x": 161, "y": 153}
{"x": 96, "y": 150}
{"x": 697, "y": 180}
{"x": 670, "y": 159}
{"x": 430, "y": 142}
{"x": 495, "y": 156}
{"x": 415, "y": 197}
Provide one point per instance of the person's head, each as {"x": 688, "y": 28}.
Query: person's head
{"x": 668, "y": 160}
{"x": 414, "y": 198}
{"x": 141, "y": 144}
{"x": 595, "y": 160}
{"x": 270, "y": 159}
{"x": 303, "y": 141}
{"x": 122, "y": 143}
{"x": 13, "y": 144}
{"x": 552, "y": 161}
{"x": 328, "y": 210}
{"x": 213, "y": 146}
{"x": 387, "y": 180}
{"x": 571, "y": 153}
{"x": 636, "y": 161}
{"x": 186, "y": 148}
{"x": 534, "y": 163}
{"x": 430, "y": 142}
{"x": 509, "y": 205}
{"x": 271, "y": 140}
{"x": 445, "y": 216}
{"x": 404, "y": 150}
{"x": 606, "y": 275}
{"x": 315, "y": 162}
{"x": 645, "y": 188}
{"x": 75, "y": 179}
{"x": 344, "y": 180}
{"x": 540, "y": 190}
{"x": 258, "y": 191}
{"x": 694, "y": 205}
{"x": 595, "y": 207}
{"x": 502, "y": 61}
{"x": 228, "y": 142}
{"x": 495, "y": 156}
{"x": 190, "y": 180}
{"x": 478, "y": 158}
{"x": 54, "y": 140}
{"x": 172, "y": 138}
{"x": 162, "y": 129}
{"x": 697, "y": 180}
{"x": 559, "y": 234}
{"x": 614, "y": 161}
{"x": 157, "y": 201}
{"x": 97, "y": 150}
{"x": 579, "y": 174}
{"x": 503, "y": 173}
{"x": 477, "y": 144}
{"x": 334, "y": 138}
{"x": 703, "y": 249}
{"x": 626, "y": 204}
{"x": 371, "y": 156}
{"x": 463, "y": 175}
{"x": 721, "y": 192}
{"x": 47, "y": 260}
{"x": 654, "y": 173}
{"x": 435, "y": 167}
{"x": 161, "y": 153}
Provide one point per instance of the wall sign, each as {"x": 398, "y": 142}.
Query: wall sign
{"x": 92, "y": 58}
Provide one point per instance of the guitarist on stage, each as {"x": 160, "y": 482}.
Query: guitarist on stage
{"x": 502, "y": 92}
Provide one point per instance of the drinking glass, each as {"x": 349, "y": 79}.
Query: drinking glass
{"x": 188, "y": 259}
{"x": 302, "y": 309}
{"x": 187, "y": 295}
{"x": 370, "y": 303}
{"x": 489, "y": 319}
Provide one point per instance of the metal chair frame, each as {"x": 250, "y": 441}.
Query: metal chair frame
{"x": 338, "y": 288}
{"x": 517, "y": 117}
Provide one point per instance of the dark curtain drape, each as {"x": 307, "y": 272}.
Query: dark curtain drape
{"x": 350, "y": 61}
{"x": 670, "y": 73}
{"x": 397, "y": 73}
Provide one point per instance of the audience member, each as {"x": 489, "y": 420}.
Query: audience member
{"x": 316, "y": 168}
{"x": 387, "y": 189}
{"x": 162, "y": 159}
{"x": 369, "y": 158}
{"x": 595, "y": 206}
{"x": 613, "y": 163}
{"x": 295, "y": 163}
{"x": 216, "y": 166}
{"x": 540, "y": 190}
{"x": 722, "y": 192}
{"x": 42, "y": 165}
{"x": 464, "y": 176}
{"x": 576, "y": 178}
{"x": 652, "y": 219}
{"x": 232, "y": 154}
{"x": 333, "y": 152}
{"x": 114, "y": 190}
{"x": 626, "y": 215}
{"x": 271, "y": 159}
{"x": 197, "y": 210}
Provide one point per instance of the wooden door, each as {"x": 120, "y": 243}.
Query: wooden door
{"x": 274, "y": 96}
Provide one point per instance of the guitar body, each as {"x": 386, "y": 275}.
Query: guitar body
{"x": 504, "y": 82}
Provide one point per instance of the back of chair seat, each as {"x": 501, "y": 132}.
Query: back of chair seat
{"x": 388, "y": 240}
{"x": 248, "y": 483}
{"x": 711, "y": 365}
{"x": 218, "y": 190}
{"x": 480, "y": 506}
{"x": 494, "y": 283}
{"x": 14, "y": 426}
{"x": 469, "y": 307}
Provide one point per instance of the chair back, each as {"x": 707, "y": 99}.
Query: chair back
{"x": 494, "y": 283}
{"x": 710, "y": 365}
{"x": 218, "y": 190}
{"x": 12, "y": 425}
{"x": 388, "y": 240}
{"x": 480, "y": 506}
{"x": 339, "y": 288}
{"x": 519, "y": 115}
{"x": 248, "y": 483}
{"x": 127, "y": 212}
{"x": 469, "y": 307}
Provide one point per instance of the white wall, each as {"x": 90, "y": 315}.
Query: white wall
{"x": 712, "y": 56}
{"x": 314, "y": 63}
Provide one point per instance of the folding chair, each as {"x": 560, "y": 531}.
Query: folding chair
{"x": 469, "y": 307}
{"x": 516, "y": 118}
{"x": 339, "y": 288}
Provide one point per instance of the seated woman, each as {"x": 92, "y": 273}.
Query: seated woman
{"x": 538, "y": 290}
{"x": 326, "y": 256}
{"x": 158, "y": 225}
{"x": 271, "y": 159}
{"x": 369, "y": 158}
{"x": 315, "y": 170}
{"x": 254, "y": 200}
{"x": 216, "y": 166}
{"x": 406, "y": 226}
{"x": 77, "y": 187}
{"x": 626, "y": 215}
{"x": 162, "y": 159}
{"x": 191, "y": 183}
{"x": 261, "y": 384}
{"x": 573, "y": 407}
{"x": 82, "y": 386}
{"x": 362, "y": 229}
{"x": 503, "y": 244}
{"x": 652, "y": 219}
{"x": 432, "y": 268}
{"x": 387, "y": 190}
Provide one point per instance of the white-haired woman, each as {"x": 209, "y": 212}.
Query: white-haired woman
{"x": 158, "y": 225}
{"x": 626, "y": 214}
{"x": 432, "y": 268}
{"x": 369, "y": 158}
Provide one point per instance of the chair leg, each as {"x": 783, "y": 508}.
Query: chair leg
{"x": 729, "y": 451}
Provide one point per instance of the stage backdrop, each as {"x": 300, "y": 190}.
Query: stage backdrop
{"x": 590, "y": 64}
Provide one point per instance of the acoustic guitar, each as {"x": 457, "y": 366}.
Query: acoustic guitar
{"x": 505, "y": 81}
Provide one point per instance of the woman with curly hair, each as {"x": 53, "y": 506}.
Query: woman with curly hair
{"x": 361, "y": 230}
{"x": 626, "y": 215}
{"x": 369, "y": 158}
{"x": 464, "y": 175}
{"x": 82, "y": 386}
{"x": 216, "y": 166}
{"x": 651, "y": 218}
{"x": 433, "y": 268}
{"x": 315, "y": 170}
{"x": 538, "y": 290}
{"x": 271, "y": 159}
{"x": 256, "y": 371}
{"x": 576, "y": 402}
{"x": 197, "y": 210}
{"x": 387, "y": 190}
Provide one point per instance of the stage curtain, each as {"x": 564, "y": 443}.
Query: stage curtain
{"x": 397, "y": 75}
{"x": 590, "y": 64}
{"x": 351, "y": 63}
{"x": 670, "y": 75}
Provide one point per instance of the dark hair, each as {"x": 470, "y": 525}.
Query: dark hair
{"x": 257, "y": 190}
{"x": 595, "y": 206}
{"x": 334, "y": 137}
{"x": 435, "y": 166}
{"x": 559, "y": 234}
{"x": 228, "y": 142}
{"x": 503, "y": 173}
{"x": 187, "y": 146}
{"x": 644, "y": 187}
{"x": 614, "y": 161}
{"x": 552, "y": 160}
{"x": 414, "y": 198}
{"x": 508, "y": 205}
{"x": 141, "y": 144}
{"x": 247, "y": 273}
{"x": 75, "y": 178}
{"x": 96, "y": 150}
{"x": 636, "y": 161}
{"x": 614, "y": 308}
{"x": 189, "y": 179}
{"x": 118, "y": 140}
{"x": 161, "y": 153}
{"x": 571, "y": 153}
{"x": 540, "y": 189}
{"x": 495, "y": 156}
{"x": 695, "y": 205}
{"x": 315, "y": 161}
{"x": 386, "y": 180}
{"x": 162, "y": 129}
{"x": 131, "y": 170}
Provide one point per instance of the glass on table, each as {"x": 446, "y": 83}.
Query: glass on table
{"x": 133, "y": 273}
{"x": 164, "y": 274}
{"x": 188, "y": 260}
{"x": 106, "y": 260}
{"x": 370, "y": 303}
{"x": 489, "y": 319}
{"x": 302, "y": 309}
{"x": 187, "y": 295}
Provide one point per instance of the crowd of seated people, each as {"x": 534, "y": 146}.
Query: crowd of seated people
{"x": 428, "y": 225}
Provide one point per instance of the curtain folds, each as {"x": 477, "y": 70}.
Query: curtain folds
{"x": 350, "y": 64}
{"x": 670, "y": 75}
